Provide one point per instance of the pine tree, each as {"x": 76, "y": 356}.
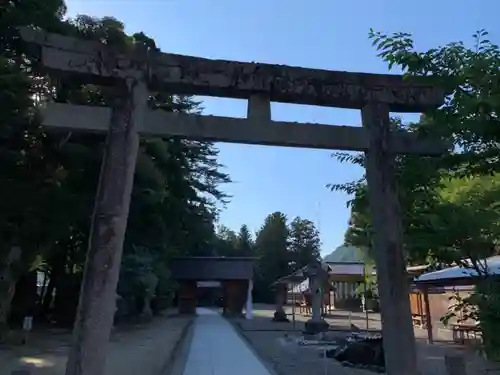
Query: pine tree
{"x": 271, "y": 246}
{"x": 244, "y": 243}
{"x": 304, "y": 243}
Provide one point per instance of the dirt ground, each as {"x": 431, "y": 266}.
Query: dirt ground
{"x": 267, "y": 338}
{"x": 142, "y": 349}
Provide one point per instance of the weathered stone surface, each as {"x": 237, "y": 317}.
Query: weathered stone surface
{"x": 317, "y": 276}
{"x": 96, "y": 306}
{"x": 199, "y": 76}
{"x": 259, "y": 108}
{"x": 246, "y": 131}
{"x": 392, "y": 278}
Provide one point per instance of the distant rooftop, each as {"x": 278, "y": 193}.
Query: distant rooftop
{"x": 458, "y": 274}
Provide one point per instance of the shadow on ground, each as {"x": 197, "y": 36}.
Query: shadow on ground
{"x": 142, "y": 348}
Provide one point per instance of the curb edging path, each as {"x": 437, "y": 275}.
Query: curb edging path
{"x": 176, "y": 361}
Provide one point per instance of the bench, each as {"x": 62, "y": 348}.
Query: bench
{"x": 462, "y": 332}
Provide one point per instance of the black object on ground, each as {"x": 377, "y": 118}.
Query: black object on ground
{"x": 280, "y": 316}
{"x": 312, "y": 327}
{"x": 362, "y": 352}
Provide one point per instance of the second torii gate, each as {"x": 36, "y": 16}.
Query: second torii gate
{"x": 135, "y": 71}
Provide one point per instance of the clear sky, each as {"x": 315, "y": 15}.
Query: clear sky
{"x": 328, "y": 34}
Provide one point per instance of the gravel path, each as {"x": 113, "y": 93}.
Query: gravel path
{"x": 143, "y": 349}
{"x": 290, "y": 361}
{"x": 269, "y": 341}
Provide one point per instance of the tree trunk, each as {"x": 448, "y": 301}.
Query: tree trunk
{"x": 7, "y": 287}
{"x": 97, "y": 297}
{"x": 24, "y": 301}
{"x": 48, "y": 297}
{"x": 56, "y": 274}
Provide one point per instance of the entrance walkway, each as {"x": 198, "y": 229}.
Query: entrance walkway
{"x": 217, "y": 349}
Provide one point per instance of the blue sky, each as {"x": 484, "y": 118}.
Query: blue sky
{"x": 326, "y": 34}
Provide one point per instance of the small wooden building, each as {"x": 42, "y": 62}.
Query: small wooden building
{"x": 346, "y": 277}
{"x": 435, "y": 288}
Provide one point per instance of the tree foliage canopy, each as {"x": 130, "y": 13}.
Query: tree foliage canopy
{"x": 449, "y": 204}
{"x": 51, "y": 177}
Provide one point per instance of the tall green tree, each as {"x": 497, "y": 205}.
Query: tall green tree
{"x": 304, "y": 243}
{"x": 244, "y": 242}
{"x": 449, "y": 203}
{"x": 469, "y": 74}
{"x": 229, "y": 243}
{"x": 226, "y": 242}
{"x": 29, "y": 181}
{"x": 419, "y": 179}
{"x": 52, "y": 178}
{"x": 271, "y": 246}
{"x": 469, "y": 120}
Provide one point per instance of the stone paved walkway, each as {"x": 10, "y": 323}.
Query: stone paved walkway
{"x": 217, "y": 349}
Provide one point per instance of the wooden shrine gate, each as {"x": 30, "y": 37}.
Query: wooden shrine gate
{"x": 135, "y": 71}
{"x": 234, "y": 273}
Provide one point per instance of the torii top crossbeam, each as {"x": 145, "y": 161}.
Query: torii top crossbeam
{"x": 180, "y": 74}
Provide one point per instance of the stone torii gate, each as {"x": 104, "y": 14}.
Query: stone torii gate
{"x": 135, "y": 71}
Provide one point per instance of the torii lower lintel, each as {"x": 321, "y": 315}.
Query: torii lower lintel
{"x": 238, "y": 130}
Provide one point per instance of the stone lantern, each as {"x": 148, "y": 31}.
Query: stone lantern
{"x": 317, "y": 277}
